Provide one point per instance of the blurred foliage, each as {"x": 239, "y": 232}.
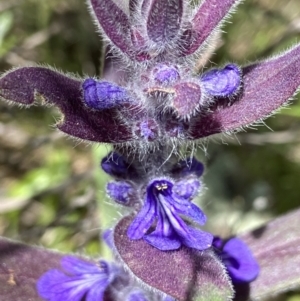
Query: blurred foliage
{"x": 52, "y": 190}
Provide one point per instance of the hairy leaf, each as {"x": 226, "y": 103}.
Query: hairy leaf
{"x": 184, "y": 274}
{"x": 20, "y": 267}
{"x": 267, "y": 86}
{"x": 164, "y": 19}
{"x": 114, "y": 23}
{"x": 209, "y": 16}
{"x": 276, "y": 248}
{"x": 25, "y": 85}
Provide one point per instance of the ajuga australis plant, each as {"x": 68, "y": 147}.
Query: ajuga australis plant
{"x": 150, "y": 104}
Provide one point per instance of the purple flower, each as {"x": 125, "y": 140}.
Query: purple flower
{"x": 238, "y": 259}
{"x": 116, "y": 166}
{"x": 187, "y": 167}
{"x": 166, "y": 207}
{"x": 120, "y": 192}
{"x": 78, "y": 279}
{"x": 103, "y": 95}
{"x": 222, "y": 82}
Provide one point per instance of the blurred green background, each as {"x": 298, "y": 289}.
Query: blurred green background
{"x": 51, "y": 187}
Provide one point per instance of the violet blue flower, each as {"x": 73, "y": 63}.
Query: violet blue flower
{"x": 242, "y": 267}
{"x": 188, "y": 167}
{"x": 78, "y": 279}
{"x": 103, "y": 95}
{"x": 171, "y": 231}
{"x": 116, "y": 166}
{"x": 222, "y": 82}
{"x": 120, "y": 192}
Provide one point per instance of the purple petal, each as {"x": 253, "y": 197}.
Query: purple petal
{"x": 74, "y": 266}
{"x": 174, "y": 272}
{"x": 120, "y": 192}
{"x": 194, "y": 238}
{"x": 222, "y": 82}
{"x": 188, "y": 167}
{"x": 103, "y": 95}
{"x": 107, "y": 237}
{"x": 209, "y": 17}
{"x": 266, "y": 87}
{"x": 239, "y": 261}
{"x": 164, "y": 19}
{"x": 163, "y": 238}
{"x": 147, "y": 130}
{"x": 95, "y": 294}
{"x": 114, "y": 23}
{"x": 115, "y": 165}
{"x": 24, "y": 85}
{"x": 163, "y": 243}
{"x": 187, "y": 189}
{"x": 165, "y": 74}
{"x": 142, "y": 221}
{"x": 218, "y": 243}
{"x": 56, "y": 286}
{"x": 88, "y": 280}
{"x": 184, "y": 207}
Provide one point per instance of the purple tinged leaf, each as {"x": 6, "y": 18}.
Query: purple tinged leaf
{"x": 25, "y": 85}
{"x": 201, "y": 277}
{"x": 222, "y": 82}
{"x": 107, "y": 237}
{"x": 133, "y": 7}
{"x": 276, "y": 248}
{"x": 164, "y": 20}
{"x": 114, "y": 23}
{"x": 267, "y": 86}
{"x": 209, "y": 17}
{"x": 20, "y": 268}
{"x": 102, "y": 95}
